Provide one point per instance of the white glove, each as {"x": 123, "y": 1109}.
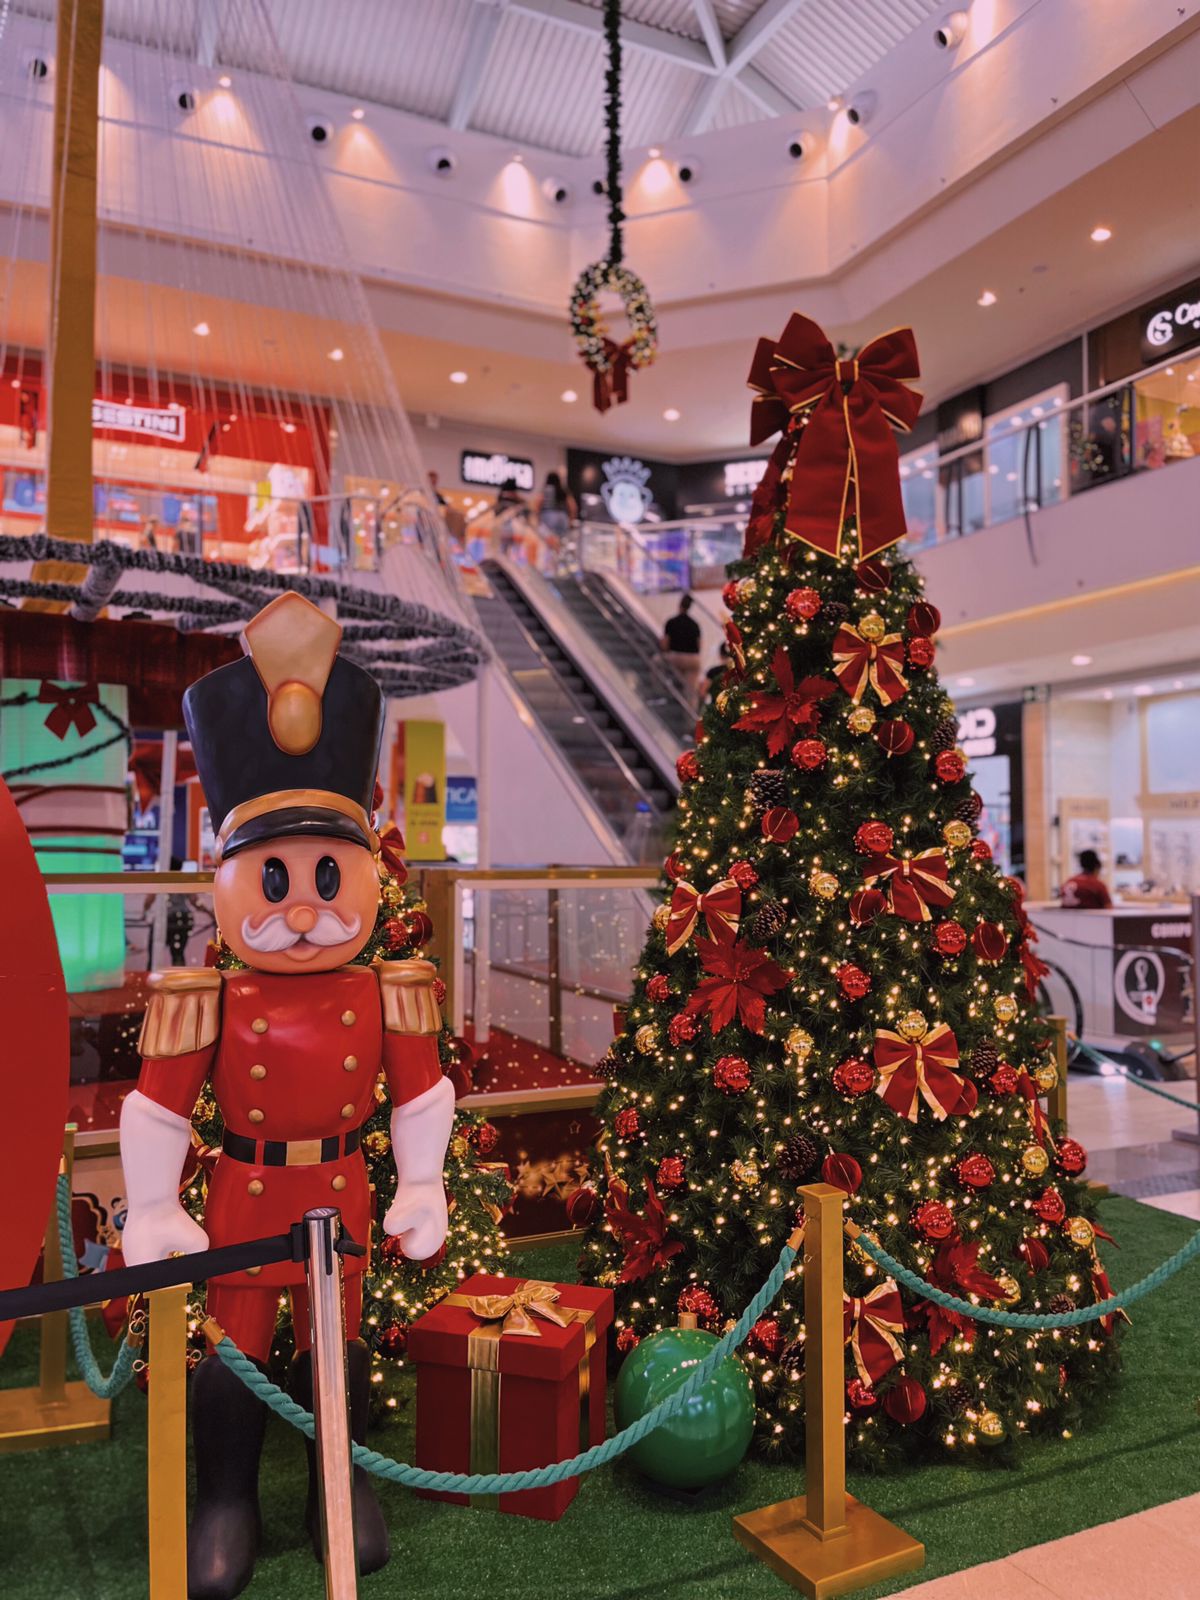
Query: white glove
{"x": 154, "y": 1145}
{"x": 420, "y": 1134}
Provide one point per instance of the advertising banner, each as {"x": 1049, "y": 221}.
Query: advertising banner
{"x": 424, "y": 765}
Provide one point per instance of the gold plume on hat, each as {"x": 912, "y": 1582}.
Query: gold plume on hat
{"x": 293, "y": 646}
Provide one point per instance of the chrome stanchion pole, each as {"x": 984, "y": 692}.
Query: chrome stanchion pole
{"x": 327, "y": 1323}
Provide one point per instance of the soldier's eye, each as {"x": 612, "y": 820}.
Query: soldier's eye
{"x": 329, "y": 877}
{"x": 274, "y": 879}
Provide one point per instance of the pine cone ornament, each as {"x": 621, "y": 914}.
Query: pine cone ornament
{"x": 768, "y": 921}
{"x": 958, "y": 1397}
{"x": 835, "y": 612}
{"x": 608, "y": 1065}
{"x": 985, "y": 1058}
{"x": 800, "y": 1159}
{"x": 1060, "y": 1304}
{"x": 767, "y": 788}
{"x": 969, "y": 810}
{"x": 945, "y": 734}
{"x": 791, "y": 1359}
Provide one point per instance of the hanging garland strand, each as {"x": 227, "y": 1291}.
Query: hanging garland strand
{"x": 612, "y": 123}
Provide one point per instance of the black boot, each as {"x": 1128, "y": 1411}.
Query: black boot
{"x": 227, "y": 1434}
{"x": 370, "y": 1531}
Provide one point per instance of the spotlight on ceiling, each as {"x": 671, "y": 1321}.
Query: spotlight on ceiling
{"x": 799, "y": 145}
{"x": 320, "y": 129}
{"x": 358, "y": 114}
{"x": 951, "y": 32}
{"x": 599, "y": 187}
{"x": 987, "y": 298}
{"x": 441, "y": 160}
{"x": 37, "y": 66}
{"x": 1101, "y": 234}
{"x": 861, "y": 109}
{"x": 224, "y": 81}
{"x": 556, "y": 190}
{"x": 202, "y": 330}
{"x": 687, "y": 169}
{"x": 183, "y": 97}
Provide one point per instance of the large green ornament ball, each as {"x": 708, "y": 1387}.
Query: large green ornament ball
{"x": 709, "y": 1437}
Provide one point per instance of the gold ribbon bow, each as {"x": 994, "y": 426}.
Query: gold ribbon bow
{"x": 870, "y": 1325}
{"x": 516, "y": 1311}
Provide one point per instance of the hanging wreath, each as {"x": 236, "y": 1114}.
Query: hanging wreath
{"x": 608, "y": 361}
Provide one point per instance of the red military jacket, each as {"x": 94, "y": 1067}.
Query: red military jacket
{"x": 293, "y": 1060}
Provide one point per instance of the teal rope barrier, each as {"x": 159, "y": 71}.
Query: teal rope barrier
{"x": 107, "y": 1388}
{"x": 532, "y": 1477}
{"x": 1152, "y": 1088}
{"x": 1016, "y": 1319}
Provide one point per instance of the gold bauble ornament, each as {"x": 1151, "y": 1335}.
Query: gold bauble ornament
{"x": 747, "y": 588}
{"x": 1005, "y": 1007}
{"x": 957, "y": 835}
{"x": 746, "y": 1173}
{"x": 661, "y": 917}
{"x": 723, "y": 700}
{"x": 377, "y": 1143}
{"x": 1035, "y": 1160}
{"x": 872, "y": 627}
{"x": 800, "y": 1043}
{"x": 861, "y": 720}
{"x": 912, "y": 1026}
{"x": 990, "y": 1427}
{"x": 1046, "y": 1077}
{"x": 1080, "y": 1232}
{"x": 646, "y": 1038}
{"x": 459, "y": 1147}
{"x": 1010, "y": 1286}
{"x": 824, "y": 885}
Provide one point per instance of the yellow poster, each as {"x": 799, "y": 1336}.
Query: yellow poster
{"x": 424, "y": 790}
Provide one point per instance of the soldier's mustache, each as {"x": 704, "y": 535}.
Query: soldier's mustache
{"x": 273, "y": 932}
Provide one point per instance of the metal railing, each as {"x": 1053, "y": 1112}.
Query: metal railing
{"x": 662, "y": 557}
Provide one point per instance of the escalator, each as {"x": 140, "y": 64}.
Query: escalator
{"x": 630, "y": 784}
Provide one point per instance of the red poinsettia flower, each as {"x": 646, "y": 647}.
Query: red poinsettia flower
{"x": 795, "y": 706}
{"x": 644, "y": 1238}
{"x": 740, "y": 979}
{"x": 955, "y": 1270}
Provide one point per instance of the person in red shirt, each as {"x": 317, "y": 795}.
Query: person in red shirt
{"x": 1087, "y": 890}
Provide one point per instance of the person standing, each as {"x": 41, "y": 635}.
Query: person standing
{"x": 681, "y": 646}
{"x": 1087, "y": 890}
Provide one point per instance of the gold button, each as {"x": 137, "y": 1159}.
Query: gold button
{"x": 256, "y": 1115}
{"x": 350, "y": 1063}
{"x": 253, "y": 1272}
{"x": 339, "y": 1182}
{"x": 255, "y": 1186}
{"x": 348, "y": 1019}
{"x": 258, "y": 1070}
{"x": 259, "y": 1025}
{"x": 348, "y": 1109}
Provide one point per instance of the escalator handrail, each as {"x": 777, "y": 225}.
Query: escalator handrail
{"x": 598, "y": 592}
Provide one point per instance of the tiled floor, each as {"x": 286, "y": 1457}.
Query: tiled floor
{"x": 1127, "y": 1133}
{"x": 1153, "y": 1556}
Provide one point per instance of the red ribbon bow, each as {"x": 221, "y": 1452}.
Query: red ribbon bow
{"x": 860, "y": 661}
{"x": 391, "y": 852}
{"x": 914, "y": 883}
{"x": 871, "y": 1323}
{"x": 1029, "y": 1089}
{"x": 845, "y": 458}
{"x": 611, "y": 387}
{"x": 72, "y": 708}
{"x": 911, "y": 1070}
{"x": 795, "y": 706}
{"x": 721, "y": 907}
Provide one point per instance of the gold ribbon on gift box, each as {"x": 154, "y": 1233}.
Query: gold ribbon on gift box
{"x": 513, "y": 1313}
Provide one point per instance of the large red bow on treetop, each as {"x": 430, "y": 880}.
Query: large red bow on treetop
{"x": 72, "y": 708}
{"x": 911, "y": 1070}
{"x": 721, "y": 907}
{"x": 914, "y": 883}
{"x": 644, "y": 1238}
{"x": 870, "y": 1325}
{"x": 795, "y": 706}
{"x": 861, "y": 661}
{"x": 741, "y": 978}
{"x": 845, "y": 461}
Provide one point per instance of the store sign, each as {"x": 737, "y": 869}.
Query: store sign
{"x": 625, "y": 489}
{"x": 462, "y": 800}
{"x": 743, "y": 477}
{"x": 977, "y": 732}
{"x": 153, "y": 422}
{"x": 495, "y": 470}
{"x": 1171, "y": 325}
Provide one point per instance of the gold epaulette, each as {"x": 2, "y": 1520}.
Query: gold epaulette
{"x": 184, "y": 1013}
{"x": 409, "y": 1003}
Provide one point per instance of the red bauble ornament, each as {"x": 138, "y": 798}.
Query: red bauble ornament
{"x": 697, "y": 1300}
{"x": 860, "y": 1396}
{"x": 743, "y": 874}
{"x": 395, "y": 933}
{"x": 687, "y": 767}
{"x": 853, "y": 1077}
{"x": 780, "y": 824}
{"x": 989, "y": 941}
{"x": 895, "y": 736}
{"x": 933, "y": 1220}
{"x": 420, "y": 927}
{"x": 874, "y": 839}
{"x": 1034, "y": 1253}
{"x": 981, "y": 850}
{"x": 1071, "y": 1157}
{"x": 682, "y": 1028}
{"x": 802, "y": 605}
{"x": 1050, "y": 1206}
{"x": 949, "y": 938}
{"x": 439, "y": 991}
{"x": 729, "y": 594}
{"x": 866, "y": 905}
{"x": 975, "y": 1171}
{"x": 672, "y": 1174}
{"x": 809, "y": 754}
{"x": 873, "y": 576}
{"x": 923, "y": 619}
{"x": 766, "y": 1338}
{"x": 583, "y": 1205}
{"x": 906, "y": 1402}
{"x": 658, "y": 988}
{"x": 731, "y": 1075}
{"x": 484, "y": 1138}
{"x": 842, "y": 1171}
{"x": 674, "y": 866}
{"x": 1003, "y": 1080}
{"x": 392, "y": 1250}
{"x": 920, "y": 651}
{"x": 853, "y": 981}
{"x": 949, "y": 766}
{"x": 393, "y": 1341}
{"x": 627, "y": 1340}
{"x": 627, "y": 1124}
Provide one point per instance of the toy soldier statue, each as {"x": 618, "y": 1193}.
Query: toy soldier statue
{"x": 286, "y": 743}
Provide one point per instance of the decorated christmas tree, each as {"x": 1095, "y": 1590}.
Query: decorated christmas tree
{"x": 839, "y": 984}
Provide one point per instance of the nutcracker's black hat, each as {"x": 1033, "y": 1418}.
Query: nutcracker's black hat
{"x": 287, "y": 739}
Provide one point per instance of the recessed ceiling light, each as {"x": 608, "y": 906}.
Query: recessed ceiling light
{"x": 1081, "y": 661}
{"x": 1143, "y": 688}
{"x": 1178, "y": 684}
{"x": 1108, "y": 694}
{"x": 1170, "y": 371}
{"x": 654, "y": 152}
{"x": 337, "y": 353}
{"x": 834, "y": 103}
{"x": 225, "y": 81}
{"x": 518, "y": 158}
{"x": 202, "y": 329}
{"x": 964, "y": 683}
{"x": 358, "y": 113}
{"x": 1101, "y": 234}
{"x": 569, "y": 396}
{"x": 670, "y": 414}
{"x": 458, "y": 377}
{"x": 14, "y": 383}
{"x": 987, "y": 298}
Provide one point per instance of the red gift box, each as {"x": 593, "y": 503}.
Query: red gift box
{"x": 502, "y": 1386}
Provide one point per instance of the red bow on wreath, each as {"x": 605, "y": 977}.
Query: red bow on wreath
{"x": 611, "y": 387}
{"x": 861, "y": 661}
{"x": 391, "y": 852}
{"x": 741, "y": 978}
{"x": 914, "y": 883}
{"x": 71, "y": 708}
{"x": 844, "y": 459}
{"x": 911, "y": 1070}
{"x": 721, "y": 907}
{"x": 870, "y": 1325}
{"x": 795, "y": 706}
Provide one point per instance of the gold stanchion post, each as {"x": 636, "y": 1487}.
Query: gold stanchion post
{"x": 825, "y": 1542}
{"x": 1056, "y": 1100}
{"x": 166, "y": 1444}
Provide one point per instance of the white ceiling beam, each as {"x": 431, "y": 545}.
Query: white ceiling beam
{"x": 484, "y": 26}
{"x": 752, "y": 37}
{"x": 764, "y": 93}
{"x": 710, "y": 27}
{"x": 692, "y": 53}
{"x": 208, "y": 33}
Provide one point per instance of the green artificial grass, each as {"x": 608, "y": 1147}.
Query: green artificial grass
{"x": 72, "y": 1520}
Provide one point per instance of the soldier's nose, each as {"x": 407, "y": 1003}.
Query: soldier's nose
{"x": 301, "y": 919}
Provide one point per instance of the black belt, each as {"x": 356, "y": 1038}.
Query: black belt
{"x": 289, "y": 1152}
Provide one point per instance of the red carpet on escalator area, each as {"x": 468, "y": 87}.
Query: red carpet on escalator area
{"x": 507, "y": 1063}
